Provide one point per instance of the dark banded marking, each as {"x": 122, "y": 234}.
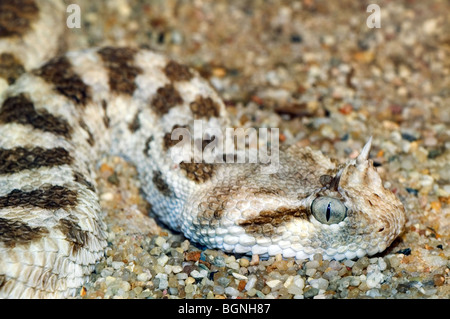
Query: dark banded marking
{"x": 77, "y": 237}
{"x": 10, "y": 68}
{"x": 16, "y": 17}
{"x": 90, "y": 139}
{"x": 204, "y": 107}
{"x": 135, "y": 124}
{"x": 51, "y": 197}
{"x": 79, "y": 178}
{"x": 121, "y": 69}
{"x": 19, "y": 109}
{"x": 59, "y": 72}
{"x": 21, "y": 158}
{"x": 160, "y": 184}
{"x": 177, "y": 72}
{"x": 267, "y": 220}
{"x": 147, "y": 145}
{"x": 105, "y": 116}
{"x": 15, "y": 232}
{"x": 269, "y": 191}
{"x": 166, "y": 97}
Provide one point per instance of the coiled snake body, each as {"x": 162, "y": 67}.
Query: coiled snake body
{"x": 58, "y": 115}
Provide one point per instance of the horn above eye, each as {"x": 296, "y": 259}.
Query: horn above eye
{"x": 328, "y": 210}
{"x": 364, "y": 155}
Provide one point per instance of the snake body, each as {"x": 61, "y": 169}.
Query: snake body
{"x": 59, "y": 115}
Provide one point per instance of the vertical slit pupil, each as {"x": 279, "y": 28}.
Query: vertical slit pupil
{"x": 328, "y": 214}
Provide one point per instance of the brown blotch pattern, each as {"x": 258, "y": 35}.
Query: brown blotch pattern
{"x": 135, "y": 124}
{"x": 90, "y": 139}
{"x": 268, "y": 220}
{"x": 19, "y": 109}
{"x": 51, "y": 197}
{"x": 15, "y": 232}
{"x": 330, "y": 181}
{"x": 168, "y": 142}
{"x": 161, "y": 184}
{"x": 10, "y": 67}
{"x": 166, "y": 97}
{"x": 325, "y": 180}
{"x": 60, "y": 73}
{"x": 121, "y": 69}
{"x": 211, "y": 209}
{"x": 21, "y": 158}
{"x": 204, "y": 107}
{"x": 16, "y": 17}
{"x": 198, "y": 172}
{"x": 77, "y": 237}
{"x": 79, "y": 178}
{"x": 105, "y": 116}
{"x": 268, "y": 191}
{"x": 147, "y": 144}
{"x": 177, "y": 72}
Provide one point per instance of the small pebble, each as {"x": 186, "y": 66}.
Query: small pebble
{"x": 335, "y": 265}
{"x": 250, "y": 283}
{"x": 189, "y": 288}
{"x": 311, "y": 292}
{"x": 224, "y": 281}
{"x": 143, "y": 277}
{"x": 349, "y": 263}
{"x": 239, "y": 276}
{"x": 310, "y": 272}
{"x": 373, "y": 293}
{"x": 117, "y": 264}
{"x": 382, "y": 264}
{"x": 320, "y": 283}
{"x": 163, "y": 283}
{"x": 219, "y": 261}
{"x": 438, "y": 280}
{"x": 199, "y": 274}
{"x": 244, "y": 262}
{"x": 318, "y": 257}
{"x": 182, "y": 276}
{"x": 163, "y": 260}
{"x": 193, "y": 255}
{"x": 395, "y": 261}
{"x": 251, "y": 292}
{"x": 160, "y": 241}
{"x": 218, "y": 290}
{"x": 232, "y": 291}
{"x": 273, "y": 283}
{"x": 312, "y": 264}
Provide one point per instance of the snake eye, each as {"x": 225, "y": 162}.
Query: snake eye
{"x": 328, "y": 210}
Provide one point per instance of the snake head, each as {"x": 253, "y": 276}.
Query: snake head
{"x": 310, "y": 206}
{"x": 368, "y": 217}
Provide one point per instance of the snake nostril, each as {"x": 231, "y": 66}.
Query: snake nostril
{"x": 381, "y": 229}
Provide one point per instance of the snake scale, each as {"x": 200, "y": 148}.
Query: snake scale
{"x": 60, "y": 113}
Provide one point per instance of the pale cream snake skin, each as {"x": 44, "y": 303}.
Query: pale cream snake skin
{"x": 59, "y": 115}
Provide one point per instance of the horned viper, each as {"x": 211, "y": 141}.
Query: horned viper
{"x": 58, "y": 115}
